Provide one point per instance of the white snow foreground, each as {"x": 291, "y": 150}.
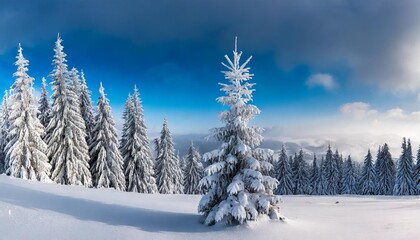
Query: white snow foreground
{"x": 34, "y": 210}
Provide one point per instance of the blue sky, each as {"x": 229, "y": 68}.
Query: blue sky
{"x": 321, "y": 68}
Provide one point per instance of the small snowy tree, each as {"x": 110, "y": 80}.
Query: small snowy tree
{"x": 404, "y": 181}
{"x": 26, "y": 151}
{"x": 44, "y": 109}
{"x": 314, "y": 180}
{"x": 237, "y": 191}
{"x": 66, "y": 137}
{"x": 4, "y": 130}
{"x": 106, "y": 160}
{"x": 168, "y": 169}
{"x": 349, "y": 180}
{"x": 283, "y": 174}
{"x": 193, "y": 171}
{"x": 300, "y": 170}
{"x": 367, "y": 179}
{"x": 135, "y": 148}
{"x": 86, "y": 108}
{"x": 417, "y": 172}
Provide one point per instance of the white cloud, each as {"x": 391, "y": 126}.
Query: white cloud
{"x": 358, "y": 110}
{"x": 323, "y": 80}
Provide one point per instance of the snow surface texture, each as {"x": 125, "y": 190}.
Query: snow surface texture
{"x": 34, "y": 210}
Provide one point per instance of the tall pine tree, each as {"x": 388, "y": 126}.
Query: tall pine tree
{"x": 385, "y": 172}
{"x": 283, "y": 173}
{"x": 135, "y": 148}
{"x": 86, "y": 108}
{"x": 404, "y": 180}
{"x": 26, "y": 151}
{"x": 106, "y": 159}
{"x": 237, "y": 191}
{"x": 349, "y": 180}
{"x": 301, "y": 180}
{"x": 417, "y": 172}
{"x": 168, "y": 168}
{"x": 367, "y": 178}
{"x": 44, "y": 109}
{"x": 332, "y": 172}
{"x": 66, "y": 137}
{"x": 193, "y": 171}
{"x": 315, "y": 178}
{"x": 4, "y": 130}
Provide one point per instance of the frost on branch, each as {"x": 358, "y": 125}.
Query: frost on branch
{"x": 237, "y": 182}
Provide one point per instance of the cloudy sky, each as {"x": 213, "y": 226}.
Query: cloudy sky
{"x": 329, "y": 71}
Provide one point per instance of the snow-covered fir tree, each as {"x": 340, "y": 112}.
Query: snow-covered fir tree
{"x": 237, "y": 191}
{"x": 404, "y": 180}
{"x": 266, "y": 158}
{"x": 283, "y": 174}
{"x": 26, "y": 151}
{"x": 322, "y": 184}
{"x": 332, "y": 172}
{"x": 66, "y": 137}
{"x": 367, "y": 178}
{"x": 135, "y": 148}
{"x": 86, "y": 107}
{"x": 4, "y": 130}
{"x": 339, "y": 173}
{"x": 75, "y": 81}
{"x": 349, "y": 180}
{"x": 44, "y": 109}
{"x": 168, "y": 168}
{"x": 417, "y": 172}
{"x": 314, "y": 179}
{"x": 106, "y": 163}
{"x": 193, "y": 171}
{"x": 385, "y": 172}
{"x": 300, "y": 171}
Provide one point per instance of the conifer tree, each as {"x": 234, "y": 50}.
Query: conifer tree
{"x": 349, "y": 180}
{"x": 367, "y": 179}
{"x": 44, "y": 109}
{"x": 322, "y": 186}
{"x": 339, "y": 171}
{"x": 315, "y": 178}
{"x": 193, "y": 171}
{"x": 417, "y": 172}
{"x": 86, "y": 107}
{"x": 404, "y": 181}
{"x": 283, "y": 173}
{"x": 26, "y": 151}
{"x": 106, "y": 159}
{"x": 331, "y": 171}
{"x": 135, "y": 148}
{"x": 237, "y": 191}
{"x": 4, "y": 130}
{"x": 168, "y": 168}
{"x": 301, "y": 184}
{"x": 66, "y": 137}
{"x": 266, "y": 158}
{"x": 75, "y": 82}
{"x": 385, "y": 172}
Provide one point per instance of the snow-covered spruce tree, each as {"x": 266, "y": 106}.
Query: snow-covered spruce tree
{"x": 26, "y": 151}
{"x": 168, "y": 169}
{"x": 349, "y": 180}
{"x": 339, "y": 164}
{"x": 66, "y": 137}
{"x": 135, "y": 148}
{"x": 193, "y": 171}
{"x": 314, "y": 179}
{"x": 417, "y": 172}
{"x": 266, "y": 158}
{"x": 237, "y": 191}
{"x": 300, "y": 170}
{"x": 404, "y": 180}
{"x": 385, "y": 172}
{"x": 283, "y": 175}
{"x": 4, "y": 130}
{"x": 332, "y": 172}
{"x": 106, "y": 162}
{"x": 75, "y": 81}
{"x": 86, "y": 108}
{"x": 44, "y": 109}
{"x": 367, "y": 178}
{"x": 322, "y": 186}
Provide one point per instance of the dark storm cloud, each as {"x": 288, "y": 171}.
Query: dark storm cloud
{"x": 376, "y": 42}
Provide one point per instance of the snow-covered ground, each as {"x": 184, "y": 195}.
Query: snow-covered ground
{"x": 33, "y": 210}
